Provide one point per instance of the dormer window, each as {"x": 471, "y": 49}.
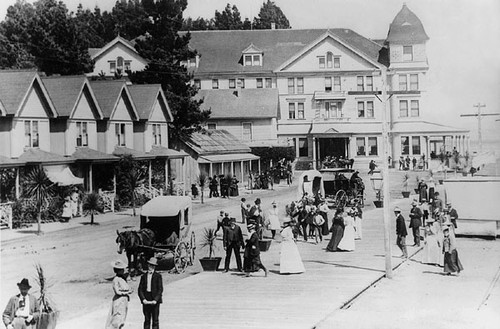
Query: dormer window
{"x": 252, "y": 60}
{"x": 252, "y": 56}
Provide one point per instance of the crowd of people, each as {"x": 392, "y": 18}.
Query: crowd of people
{"x": 407, "y": 163}
{"x": 226, "y": 185}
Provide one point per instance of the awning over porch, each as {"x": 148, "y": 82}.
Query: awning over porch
{"x": 62, "y": 175}
{"x": 425, "y": 127}
{"x": 217, "y": 158}
{"x": 85, "y": 154}
{"x": 163, "y": 152}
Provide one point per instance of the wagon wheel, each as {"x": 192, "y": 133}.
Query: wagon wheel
{"x": 181, "y": 257}
{"x": 340, "y": 199}
{"x": 192, "y": 248}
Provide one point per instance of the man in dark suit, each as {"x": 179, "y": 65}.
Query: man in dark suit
{"x": 150, "y": 291}
{"x": 453, "y": 214}
{"x": 401, "y": 232}
{"x": 415, "y": 223}
{"x": 233, "y": 240}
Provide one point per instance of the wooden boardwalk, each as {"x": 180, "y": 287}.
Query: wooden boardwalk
{"x": 231, "y": 300}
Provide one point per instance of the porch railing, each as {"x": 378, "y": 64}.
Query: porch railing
{"x": 148, "y": 192}
{"x": 6, "y": 215}
{"x": 108, "y": 199}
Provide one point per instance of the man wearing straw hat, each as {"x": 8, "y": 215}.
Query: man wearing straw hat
{"x": 150, "y": 291}
{"x": 22, "y": 310}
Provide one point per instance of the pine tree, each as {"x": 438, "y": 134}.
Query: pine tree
{"x": 271, "y": 13}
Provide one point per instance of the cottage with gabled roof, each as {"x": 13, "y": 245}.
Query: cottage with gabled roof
{"x": 116, "y": 57}
{"x": 119, "y": 114}
{"x": 78, "y": 113}
{"x": 26, "y": 108}
{"x": 154, "y": 116}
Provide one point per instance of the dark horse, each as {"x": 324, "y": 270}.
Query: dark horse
{"x": 130, "y": 241}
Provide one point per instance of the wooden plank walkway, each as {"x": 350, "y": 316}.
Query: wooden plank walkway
{"x": 231, "y": 300}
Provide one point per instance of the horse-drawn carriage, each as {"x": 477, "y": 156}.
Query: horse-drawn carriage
{"x": 341, "y": 186}
{"x": 165, "y": 232}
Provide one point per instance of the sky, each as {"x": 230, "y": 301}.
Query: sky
{"x": 463, "y": 50}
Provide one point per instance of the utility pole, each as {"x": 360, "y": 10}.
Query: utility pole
{"x": 479, "y": 116}
{"x": 385, "y": 178}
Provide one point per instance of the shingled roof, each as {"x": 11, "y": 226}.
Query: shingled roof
{"x": 96, "y": 52}
{"x": 221, "y": 51}
{"x": 240, "y": 103}
{"x": 65, "y": 91}
{"x": 14, "y": 87}
{"x": 107, "y": 94}
{"x": 86, "y": 154}
{"x": 145, "y": 97}
{"x": 35, "y": 155}
{"x": 215, "y": 142}
{"x": 406, "y": 28}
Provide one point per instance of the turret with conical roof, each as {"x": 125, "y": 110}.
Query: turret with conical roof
{"x": 406, "y": 40}
{"x": 406, "y": 28}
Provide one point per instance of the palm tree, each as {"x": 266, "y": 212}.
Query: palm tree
{"x": 92, "y": 205}
{"x": 40, "y": 189}
{"x": 202, "y": 181}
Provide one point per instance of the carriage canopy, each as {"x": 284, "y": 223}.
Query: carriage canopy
{"x": 311, "y": 181}
{"x": 169, "y": 217}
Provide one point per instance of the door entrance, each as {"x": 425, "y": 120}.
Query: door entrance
{"x": 333, "y": 147}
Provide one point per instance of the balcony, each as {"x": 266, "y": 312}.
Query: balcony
{"x": 329, "y": 95}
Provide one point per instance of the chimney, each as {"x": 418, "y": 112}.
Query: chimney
{"x": 273, "y": 26}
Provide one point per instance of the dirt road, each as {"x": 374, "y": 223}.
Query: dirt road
{"x": 77, "y": 260}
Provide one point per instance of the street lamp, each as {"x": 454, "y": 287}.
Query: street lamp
{"x": 377, "y": 182}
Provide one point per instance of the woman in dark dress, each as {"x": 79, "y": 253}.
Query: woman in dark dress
{"x": 337, "y": 230}
{"x": 251, "y": 257}
{"x": 422, "y": 189}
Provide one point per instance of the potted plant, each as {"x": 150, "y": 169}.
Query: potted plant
{"x": 264, "y": 244}
{"x": 48, "y": 312}
{"x": 405, "y": 192}
{"x": 209, "y": 263}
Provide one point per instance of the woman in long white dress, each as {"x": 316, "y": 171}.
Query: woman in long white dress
{"x": 290, "y": 260}
{"x": 273, "y": 219}
{"x": 119, "y": 305}
{"x": 356, "y": 214}
{"x": 347, "y": 242}
{"x": 431, "y": 254}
